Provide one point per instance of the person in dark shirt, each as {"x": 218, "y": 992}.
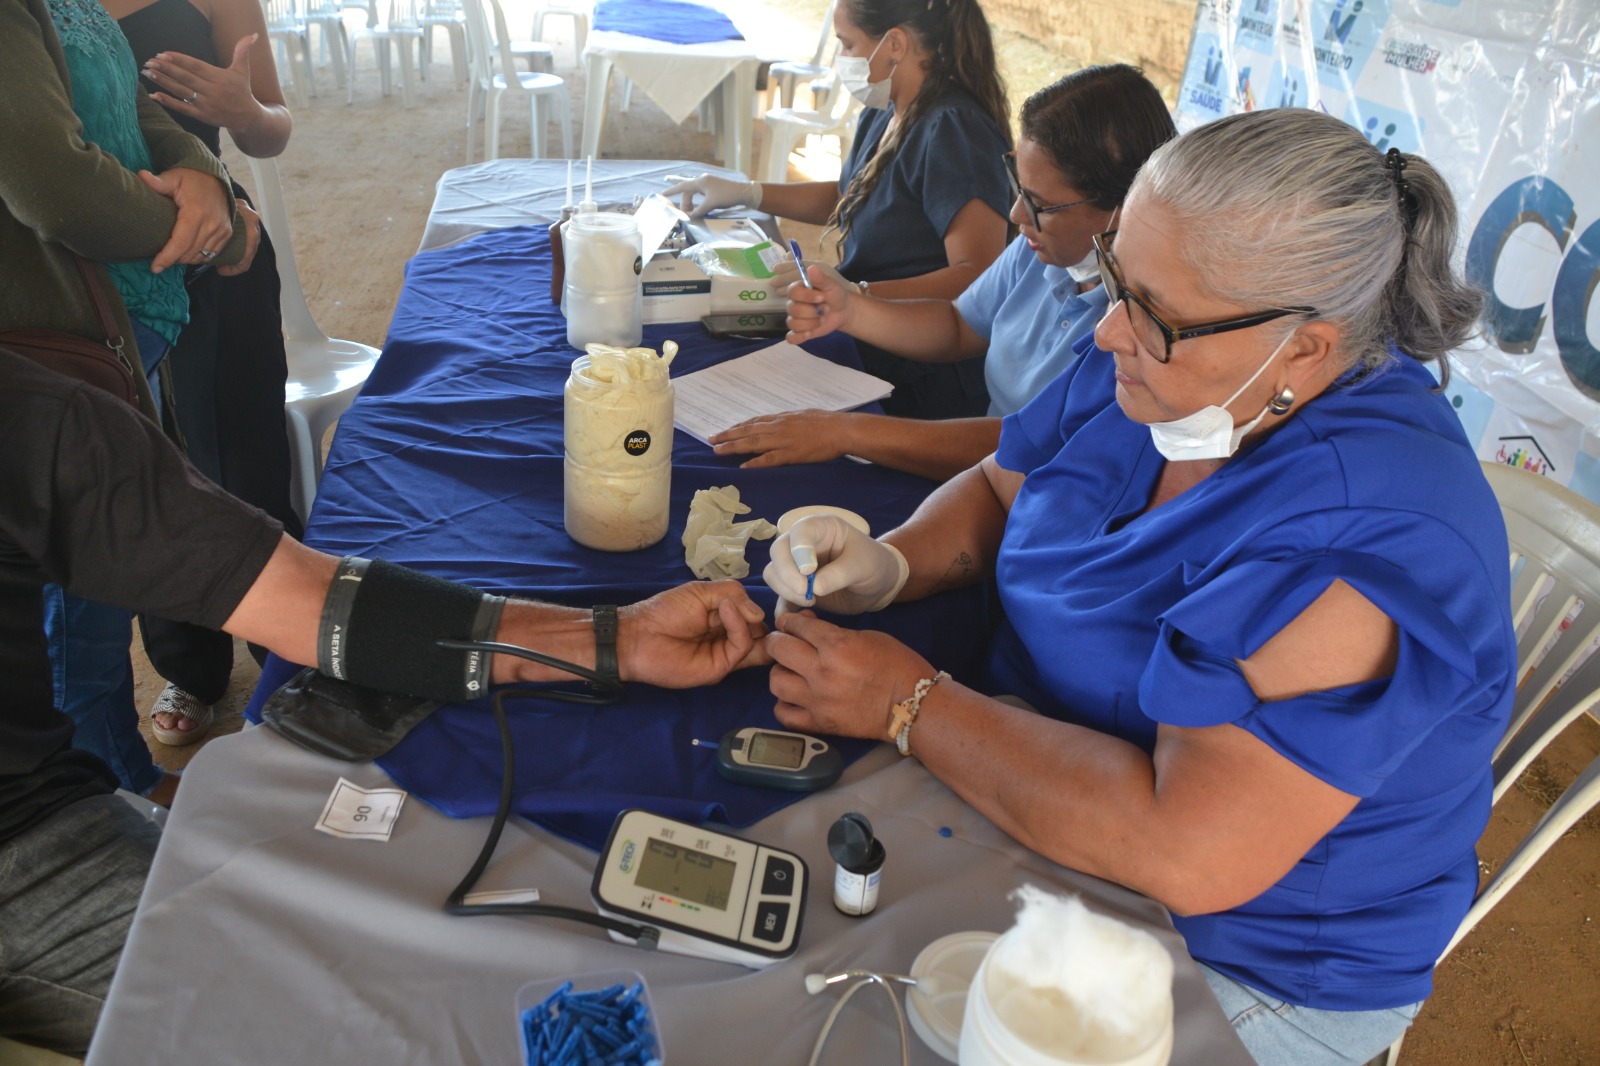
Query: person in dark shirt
{"x": 94, "y": 498}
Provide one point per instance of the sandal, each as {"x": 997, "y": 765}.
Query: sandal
{"x": 174, "y": 700}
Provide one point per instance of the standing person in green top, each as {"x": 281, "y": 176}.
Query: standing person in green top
{"x": 93, "y": 168}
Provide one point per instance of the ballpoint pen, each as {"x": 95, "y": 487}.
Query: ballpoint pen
{"x": 794, "y": 250}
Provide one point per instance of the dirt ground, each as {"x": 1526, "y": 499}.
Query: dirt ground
{"x": 359, "y": 180}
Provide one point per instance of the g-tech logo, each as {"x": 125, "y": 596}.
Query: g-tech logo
{"x": 625, "y": 862}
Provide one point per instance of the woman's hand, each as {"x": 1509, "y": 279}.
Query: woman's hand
{"x": 780, "y": 440}
{"x": 204, "y": 225}
{"x": 839, "y": 681}
{"x": 695, "y": 634}
{"x": 252, "y": 240}
{"x": 715, "y": 192}
{"x": 217, "y": 96}
{"x": 854, "y": 573}
{"x": 821, "y": 309}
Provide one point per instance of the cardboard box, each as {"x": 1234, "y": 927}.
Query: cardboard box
{"x": 676, "y": 290}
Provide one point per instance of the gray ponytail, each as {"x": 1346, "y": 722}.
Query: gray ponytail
{"x": 1291, "y": 207}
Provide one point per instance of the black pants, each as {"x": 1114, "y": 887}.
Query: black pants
{"x": 228, "y": 372}
{"x": 928, "y": 390}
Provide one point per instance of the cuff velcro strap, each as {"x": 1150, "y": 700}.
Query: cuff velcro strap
{"x": 381, "y": 624}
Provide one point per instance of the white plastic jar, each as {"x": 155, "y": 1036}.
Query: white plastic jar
{"x": 1011, "y": 1023}
{"x": 604, "y": 301}
{"x": 618, "y": 437}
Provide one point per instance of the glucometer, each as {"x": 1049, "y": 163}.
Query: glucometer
{"x": 711, "y": 895}
{"x": 773, "y": 758}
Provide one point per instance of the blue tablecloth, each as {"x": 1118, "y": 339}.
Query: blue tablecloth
{"x": 671, "y": 21}
{"x": 450, "y": 461}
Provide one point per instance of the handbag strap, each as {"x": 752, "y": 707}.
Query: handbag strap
{"x": 102, "y": 303}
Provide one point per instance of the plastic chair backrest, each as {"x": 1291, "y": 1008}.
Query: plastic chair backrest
{"x": 298, "y": 325}
{"x": 502, "y": 38}
{"x": 480, "y": 51}
{"x": 826, "y": 35}
{"x": 1555, "y": 606}
{"x": 283, "y": 14}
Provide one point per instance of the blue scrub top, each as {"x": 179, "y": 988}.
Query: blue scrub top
{"x": 1119, "y": 620}
{"x": 946, "y": 159}
{"x": 1033, "y": 316}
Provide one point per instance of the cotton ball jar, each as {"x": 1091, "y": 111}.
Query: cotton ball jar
{"x": 1068, "y": 987}
{"x": 618, "y": 441}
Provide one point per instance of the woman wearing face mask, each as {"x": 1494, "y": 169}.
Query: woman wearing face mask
{"x": 1083, "y": 140}
{"x": 1254, "y": 583}
{"x": 920, "y": 208}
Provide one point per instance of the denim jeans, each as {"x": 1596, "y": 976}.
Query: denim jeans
{"x": 1280, "y": 1034}
{"x": 92, "y": 672}
{"x": 68, "y": 890}
{"x": 152, "y": 349}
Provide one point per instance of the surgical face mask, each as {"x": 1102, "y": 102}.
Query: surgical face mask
{"x": 855, "y": 74}
{"x": 1209, "y": 433}
{"x": 1086, "y": 270}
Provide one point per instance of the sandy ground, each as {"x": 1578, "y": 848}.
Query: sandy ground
{"x": 359, "y": 180}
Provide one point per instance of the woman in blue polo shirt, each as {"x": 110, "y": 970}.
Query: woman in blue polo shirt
{"x": 920, "y": 208}
{"x": 1254, "y": 582}
{"x": 1083, "y": 140}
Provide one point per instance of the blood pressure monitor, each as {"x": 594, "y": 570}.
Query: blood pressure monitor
{"x": 712, "y": 895}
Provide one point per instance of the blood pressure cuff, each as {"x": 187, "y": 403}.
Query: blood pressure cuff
{"x": 337, "y": 718}
{"x": 381, "y": 625}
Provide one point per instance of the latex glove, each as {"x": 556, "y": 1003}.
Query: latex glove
{"x": 854, "y": 573}
{"x": 715, "y": 192}
{"x": 821, "y": 309}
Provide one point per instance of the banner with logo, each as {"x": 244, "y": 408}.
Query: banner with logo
{"x": 1503, "y": 96}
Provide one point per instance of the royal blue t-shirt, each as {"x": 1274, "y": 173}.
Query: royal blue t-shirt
{"x": 1033, "y": 317}
{"x": 1119, "y": 620}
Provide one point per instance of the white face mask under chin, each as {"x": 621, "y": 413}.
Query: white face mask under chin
{"x": 855, "y": 74}
{"x": 1209, "y": 433}
{"x": 1088, "y": 269}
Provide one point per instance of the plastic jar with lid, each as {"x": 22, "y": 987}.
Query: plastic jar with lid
{"x": 604, "y": 294}
{"x": 618, "y": 439}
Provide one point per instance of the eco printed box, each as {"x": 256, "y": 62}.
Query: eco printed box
{"x": 678, "y": 290}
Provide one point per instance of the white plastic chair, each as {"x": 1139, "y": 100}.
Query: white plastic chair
{"x": 785, "y": 76}
{"x": 495, "y": 73}
{"x": 446, "y": 15}
{"x": 1555, "y": 606}
{"x": 289, "y": 30}
{"x": 324, "y": 373}
{"x": 578, "y": 13}
{"x": 787, "y": 127}
{"x": 402, "y": 30}
{"x": 333, "y": 39}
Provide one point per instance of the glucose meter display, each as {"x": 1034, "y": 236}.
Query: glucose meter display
{"x": 688, "y": 874}
{"x": 778, "y": 749}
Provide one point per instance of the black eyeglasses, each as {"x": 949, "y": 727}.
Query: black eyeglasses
{"x": 1034, "y": 210}
{"x": 1152, "y": 333}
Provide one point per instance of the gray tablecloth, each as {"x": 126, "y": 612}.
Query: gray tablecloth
{"x": 262, "y": 941}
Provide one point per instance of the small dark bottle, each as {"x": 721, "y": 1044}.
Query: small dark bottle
{"x": 558, "y": 256}
{"x": 859, "y": 857}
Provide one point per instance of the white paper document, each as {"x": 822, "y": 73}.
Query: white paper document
{"x": 780, "y": 378}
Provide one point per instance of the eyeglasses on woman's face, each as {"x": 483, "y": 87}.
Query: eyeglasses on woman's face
{"x": 1150, "y": 329}
{"x": 1035, "y": 211}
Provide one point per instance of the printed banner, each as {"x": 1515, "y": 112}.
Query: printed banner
{"x": 1503, "y": 96}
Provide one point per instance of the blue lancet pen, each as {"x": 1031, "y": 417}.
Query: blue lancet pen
{"x": 811, "y": 587}
{"x": 794, "y": 250}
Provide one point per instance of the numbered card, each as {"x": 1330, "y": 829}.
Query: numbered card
{"x": 357, "y": 813}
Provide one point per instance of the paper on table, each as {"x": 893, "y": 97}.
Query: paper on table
{"x": 780, "y": 378}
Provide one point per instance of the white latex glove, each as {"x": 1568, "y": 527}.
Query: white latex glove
{"x": 715, "y": 192}
{"x": 854, "y": 573}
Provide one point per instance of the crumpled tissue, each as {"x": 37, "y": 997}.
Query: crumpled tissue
{"x": 713, "y": 542}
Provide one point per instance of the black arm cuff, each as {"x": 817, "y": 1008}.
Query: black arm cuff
{"x": 381, "y": 624}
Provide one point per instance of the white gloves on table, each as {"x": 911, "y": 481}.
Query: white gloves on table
{"x": 855, "y": 573}
{"x": 715, "y": 192}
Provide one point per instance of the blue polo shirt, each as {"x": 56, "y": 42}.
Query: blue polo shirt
{"x": 1121, "y": 619}
{"x": 1032, "y": 315}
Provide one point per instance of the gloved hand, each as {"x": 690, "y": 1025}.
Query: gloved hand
{"x": 854, "y": 573}
{"x": 715, "y": 192}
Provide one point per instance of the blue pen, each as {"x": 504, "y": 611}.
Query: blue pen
{"x": 811, "y": 587}
{"x": 794, "y": 249}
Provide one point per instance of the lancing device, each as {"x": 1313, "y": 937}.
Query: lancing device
{"x": 794, "y": 250}
{"x": 805, "y": 555}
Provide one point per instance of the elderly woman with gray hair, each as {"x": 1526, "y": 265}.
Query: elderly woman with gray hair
{"x": 1254, "y": 583}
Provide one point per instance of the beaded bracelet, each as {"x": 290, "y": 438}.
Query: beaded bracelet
{"x": 905, "y": 712}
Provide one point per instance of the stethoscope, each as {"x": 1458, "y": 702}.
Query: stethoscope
{"x": 816, "y": 982}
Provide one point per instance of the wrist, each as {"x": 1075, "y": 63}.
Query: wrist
{"x": 756, "y": 194}
{"x": 561, "y": 632}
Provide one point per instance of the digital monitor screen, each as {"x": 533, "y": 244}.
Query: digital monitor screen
{"x": 775, "y": 749}
{"x": 688, "y": 874}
